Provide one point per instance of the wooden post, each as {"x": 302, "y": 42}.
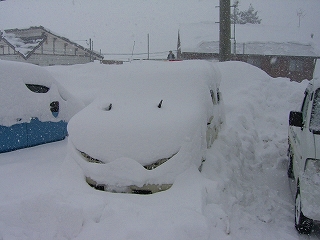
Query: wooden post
{"x": 225, "y": 31}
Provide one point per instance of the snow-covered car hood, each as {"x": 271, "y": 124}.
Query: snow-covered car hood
{"x": 134, "y": 126}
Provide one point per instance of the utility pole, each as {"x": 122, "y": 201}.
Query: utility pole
{"x": 90, "y": 42}
{"x": 225, "y": 31}
{"x": 235, "y": 5}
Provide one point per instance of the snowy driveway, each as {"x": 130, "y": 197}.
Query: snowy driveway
{"x": 242, "y": 193}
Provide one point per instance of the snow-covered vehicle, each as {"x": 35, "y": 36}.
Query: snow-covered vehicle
{"x": 35, "y": 108}
{"x": 154, "y": 121}
{"x": 304, "y": 158}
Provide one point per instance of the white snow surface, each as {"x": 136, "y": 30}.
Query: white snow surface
{"x": 135, "y": 132}
{"x": 242, "y": 192}
{"x": 19, "y": 104}
{"x": 148, "y": 133}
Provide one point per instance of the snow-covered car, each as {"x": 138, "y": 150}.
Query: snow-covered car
{"x": 154, "y": 121}
{"x": 304, "y": 158}
{"x": 35, "y": 108}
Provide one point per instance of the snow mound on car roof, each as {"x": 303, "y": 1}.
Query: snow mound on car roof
{"x": 19, "y": 104}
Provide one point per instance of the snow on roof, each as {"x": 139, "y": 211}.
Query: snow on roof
{"x": 23, "y": 45}
{"x": 251, "y": 38}
{"x": 27, "y": 40}
{"x": 262, "y": 48}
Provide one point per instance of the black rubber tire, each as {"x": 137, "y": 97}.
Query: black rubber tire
{"x": 302, "y": 223}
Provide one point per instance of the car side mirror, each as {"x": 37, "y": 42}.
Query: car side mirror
{"x": 295, "y": 119}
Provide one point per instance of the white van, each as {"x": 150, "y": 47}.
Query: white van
{"x": 304, "y": 158}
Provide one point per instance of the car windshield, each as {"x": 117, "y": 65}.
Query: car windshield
{"x": 315, "y": 113}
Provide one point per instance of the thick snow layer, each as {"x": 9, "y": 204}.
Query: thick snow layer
{"x": 135, "y": 132}
{"x": 144, "y": 131}
{"x": 19, "y": 104}
{"x": 242, "y": 192}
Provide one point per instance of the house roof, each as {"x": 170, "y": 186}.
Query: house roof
{"x": 25, "y": 44}
{"x": 251, "y": 39}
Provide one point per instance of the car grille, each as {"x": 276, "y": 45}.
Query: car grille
{"x": 144, "y": 190}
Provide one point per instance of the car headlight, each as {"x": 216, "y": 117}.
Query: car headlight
{"x": 312, "y": 170}
{"x": 90, "y": 159}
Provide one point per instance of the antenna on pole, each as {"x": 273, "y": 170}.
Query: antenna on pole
{"x": 148, "y": 46}
{"x": 300, "y": 14}
{"x": 134, "y": 43}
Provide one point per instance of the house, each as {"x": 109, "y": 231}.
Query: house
{"x": 40, "y": 46}
{"x": 280, "y": 52}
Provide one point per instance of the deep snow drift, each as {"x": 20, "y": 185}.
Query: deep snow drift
{"x": 242, "y": 192}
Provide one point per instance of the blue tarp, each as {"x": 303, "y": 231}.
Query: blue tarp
{"x": 24, "y": 135}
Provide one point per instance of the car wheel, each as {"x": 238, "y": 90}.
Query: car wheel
{"x": 290, "y": 165}
{"x": 303, "y": 224}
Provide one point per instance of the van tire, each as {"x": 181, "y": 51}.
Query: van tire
{"x": 302, "y": 223}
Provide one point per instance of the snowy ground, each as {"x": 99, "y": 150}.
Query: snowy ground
{"x": 242, "y": 193}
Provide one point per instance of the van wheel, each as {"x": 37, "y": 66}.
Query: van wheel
{"x": 303, "y": 224}
{"x": 290, "y": 166}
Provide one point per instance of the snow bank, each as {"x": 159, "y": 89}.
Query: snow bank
{"x": 249, "y": 159}
{"x": 242, "y": 192}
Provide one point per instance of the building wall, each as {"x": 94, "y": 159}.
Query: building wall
{"x": 195, "y": 55}
{"x": 48, "y": 60}
{"x": 58, "y": 46}
{"x": 295, "y": 68}
{"x": 5, "y": 48}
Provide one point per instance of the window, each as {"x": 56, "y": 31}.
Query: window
{"x": 65, "y": 48}
{"x": 37, "y": 88}
{"x": 315, "y": 113}
{"x": 275, "y": 63}
{"x": 296, "y": 65}
{"x": 304, "y": 107}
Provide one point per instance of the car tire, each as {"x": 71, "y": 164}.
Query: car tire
{"x": 290, "y": 165}
{"x": 302, "y": 223}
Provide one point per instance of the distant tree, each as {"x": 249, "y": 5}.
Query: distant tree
{"x": 243, "y": 17}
